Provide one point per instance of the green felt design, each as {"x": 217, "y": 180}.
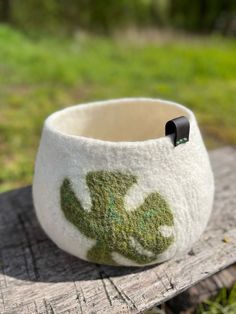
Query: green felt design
{"x": 114, "y": 228}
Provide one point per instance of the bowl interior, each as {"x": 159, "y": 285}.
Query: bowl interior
{"x": 120, "y": 120}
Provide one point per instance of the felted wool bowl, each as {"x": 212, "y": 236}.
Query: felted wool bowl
{"x": 110, "y": 187}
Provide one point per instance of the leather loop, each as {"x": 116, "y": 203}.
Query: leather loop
{"x": 180, "y": 127}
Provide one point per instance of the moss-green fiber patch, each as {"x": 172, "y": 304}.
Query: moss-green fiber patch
{"x": 113, "y": 227}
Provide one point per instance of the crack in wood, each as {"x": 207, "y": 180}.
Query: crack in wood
{"x": 48, "y": 307}
{"x": 171, "y": 283}
{"x": 84, "y": 299}
{"x": 122, "y": 294}
{"x": 51, "y": 308}
{"x": 36, "y": 307}
{"x": 23, "y": 245}
{"x": 78, "y": 297}
{"x": 133, "y": 305}
{"x": 105, "y": 288}
{"x": 162, "y": 281}
{"x": 27, "y": 237}
{"x": 45, "y": 305}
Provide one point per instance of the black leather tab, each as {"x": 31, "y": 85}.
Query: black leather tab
{"x": 180, "y": 127}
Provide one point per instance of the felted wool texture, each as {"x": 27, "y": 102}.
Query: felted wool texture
{"x": 129, "y": 140}
{"x": 113, "y": 227}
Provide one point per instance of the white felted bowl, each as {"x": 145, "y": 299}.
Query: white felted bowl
{"x": 111, "y": 188}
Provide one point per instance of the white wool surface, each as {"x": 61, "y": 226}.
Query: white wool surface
{"x": 124, "y": 135}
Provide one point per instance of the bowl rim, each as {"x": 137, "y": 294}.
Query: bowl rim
{"x": 48, "y": 123}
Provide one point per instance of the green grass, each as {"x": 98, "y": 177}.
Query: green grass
{"x": 41, "y": 75}
{"x": 224, "y": 303}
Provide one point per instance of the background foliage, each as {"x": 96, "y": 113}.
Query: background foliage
{"x": 107, "y": 15}
{"x": 41, "y": 75}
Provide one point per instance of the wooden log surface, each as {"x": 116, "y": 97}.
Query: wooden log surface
{"x": 188, "y": 301}
{"x": 37, "y": 277}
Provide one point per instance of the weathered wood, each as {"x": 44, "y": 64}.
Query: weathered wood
{"x": 187, "y": 301}
{"x": 37, "y": 277}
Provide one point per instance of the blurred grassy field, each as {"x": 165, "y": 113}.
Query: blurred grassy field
{"x": 39, "y": 76}
{"x": 223, "y": 303}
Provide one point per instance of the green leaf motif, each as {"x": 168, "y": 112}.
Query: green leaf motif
{"x": 135, "y": 234}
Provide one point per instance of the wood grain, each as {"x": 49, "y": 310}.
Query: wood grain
{"x": 37, "y": 277}
{"x": 187, "y": 301}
